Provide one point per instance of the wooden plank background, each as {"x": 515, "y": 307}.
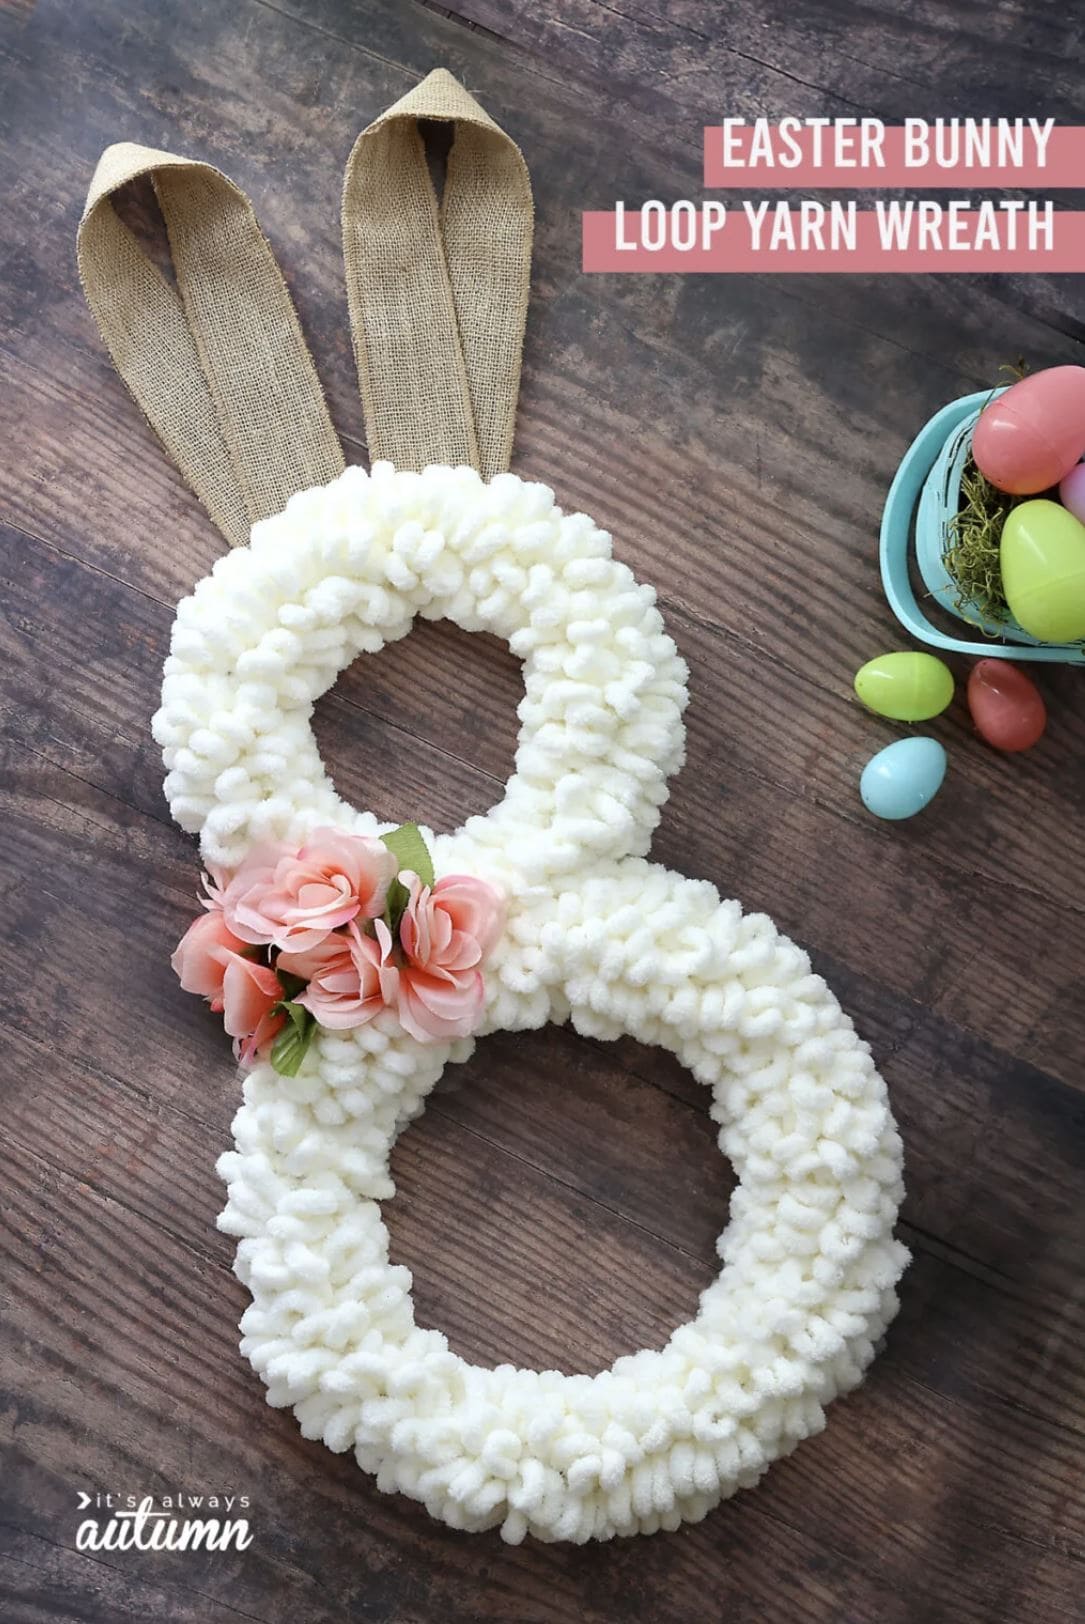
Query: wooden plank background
{"x": 559, "y": 1200}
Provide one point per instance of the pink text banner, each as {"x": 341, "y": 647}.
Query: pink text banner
{"x": 900, "y": 237}
{"x": 922, "y": 154}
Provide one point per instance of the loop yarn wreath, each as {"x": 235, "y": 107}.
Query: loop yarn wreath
{"x": 389, "y": 983}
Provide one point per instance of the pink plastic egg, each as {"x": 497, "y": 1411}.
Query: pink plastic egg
{"x": 1030, "y": 437}
{"x": 1072, "y": 492}
{"x": 1007, "y": 707}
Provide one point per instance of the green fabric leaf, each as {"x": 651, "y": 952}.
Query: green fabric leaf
{"x": 290, "y": 1047}
{"x": 410, "y": 851}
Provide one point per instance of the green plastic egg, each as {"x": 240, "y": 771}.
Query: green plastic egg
{"x": 908, "y": 687}
{"x": 1043, "y": 571}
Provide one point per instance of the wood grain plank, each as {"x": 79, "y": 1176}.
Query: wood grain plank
{"x": 923, "y": 62}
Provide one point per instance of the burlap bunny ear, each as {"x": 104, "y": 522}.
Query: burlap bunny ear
{"x": 219, "y": 367}
{"x": 437, "y": 293}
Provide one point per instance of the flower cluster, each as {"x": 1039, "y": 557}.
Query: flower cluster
{"x": 333, "y": 933}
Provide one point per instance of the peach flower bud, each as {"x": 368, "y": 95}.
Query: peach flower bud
{"x": 248, "y": 1050}
{"x": 446, "y": 932}
{"x": 350, "y": 977}
{"x": 293, "y": 900}
{"x": 211, "y": 961}
{"x": 249, "y": 992}
{"x": 201, "y": 956}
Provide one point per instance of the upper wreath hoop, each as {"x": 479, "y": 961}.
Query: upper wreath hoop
{"x": 344, "y": 569}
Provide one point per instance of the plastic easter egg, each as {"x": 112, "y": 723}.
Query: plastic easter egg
{"x": 907, "y": 687}
{"x": 1042, "y": 557}
{"x": 1072, "y": 491}
{"x": 1006, "y": 705}
{"x": 901, "y": 779}
{"x": 1030, "y": 437}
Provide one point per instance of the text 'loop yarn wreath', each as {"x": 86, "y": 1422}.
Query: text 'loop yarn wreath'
{"x": 594, "y": 934}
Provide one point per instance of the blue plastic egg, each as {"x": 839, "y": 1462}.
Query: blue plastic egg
{"x": 901, "y": 779}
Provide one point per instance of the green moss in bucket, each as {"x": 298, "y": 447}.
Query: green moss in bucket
{"x": 973, "y": 536}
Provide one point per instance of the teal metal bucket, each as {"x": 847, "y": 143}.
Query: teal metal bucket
{"x": 926, "y": 492}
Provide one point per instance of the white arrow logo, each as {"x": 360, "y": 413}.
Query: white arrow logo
{"x": 84, "y": 1500}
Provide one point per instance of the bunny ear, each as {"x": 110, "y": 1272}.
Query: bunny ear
{"x": 220, "y": 368}
{"x": 438, "y": 293}
{"x": 438, "y": 299}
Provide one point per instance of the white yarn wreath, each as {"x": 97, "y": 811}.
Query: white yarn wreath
{"x": 596, "y": 935}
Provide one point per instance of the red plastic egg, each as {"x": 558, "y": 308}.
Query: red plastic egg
{"x": 1007, "y": 707}
{"x": 1030, "y": 437}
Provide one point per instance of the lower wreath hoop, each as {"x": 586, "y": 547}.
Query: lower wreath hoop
{"x": 809, "y": 1261}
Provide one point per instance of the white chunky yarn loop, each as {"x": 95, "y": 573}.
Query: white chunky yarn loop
{"x": 596, "y": 935}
